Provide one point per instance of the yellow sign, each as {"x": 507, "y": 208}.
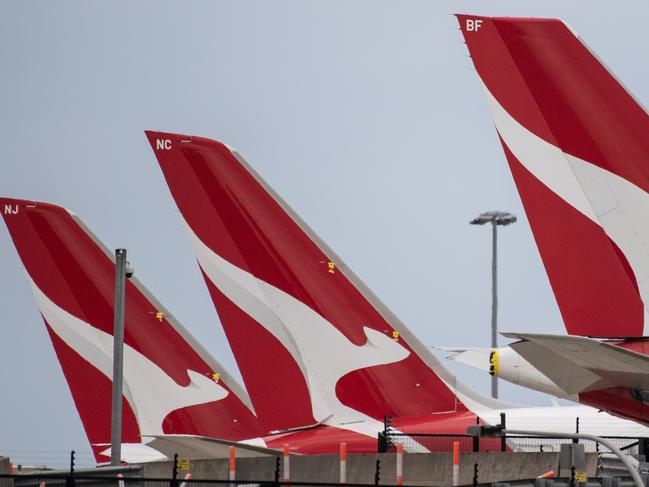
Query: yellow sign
{"x": 183, "y": 464}
{"x": 493, "y": 363}
{"x": 581, "y": 477}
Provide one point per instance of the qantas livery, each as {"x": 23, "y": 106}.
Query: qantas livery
{"x": 171, "y": 384}
{"x": 285, "y": 298}
{"x": 578, "y": 148}
{"x": 322, "y": 359}
{"x": 173, "y": 389}
{"x": 176, "y": 393}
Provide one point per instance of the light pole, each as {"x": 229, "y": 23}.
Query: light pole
{"x": 122, "y": 271}
{"x": 496, "y": 218}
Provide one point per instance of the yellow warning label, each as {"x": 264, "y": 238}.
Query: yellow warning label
{"x": 331, "y": 267}
{"x": 183, "y": 464}
{"x": 493, "y": 363}
{"x": 216, "y": 376}
{"x": 395, "y": 335}
{"x": 159, "y": 316}
{"x": 581, "y": 477}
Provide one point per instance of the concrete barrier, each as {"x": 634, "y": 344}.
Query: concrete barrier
{"x": 418, "y": 468}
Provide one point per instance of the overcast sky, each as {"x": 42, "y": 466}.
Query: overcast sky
{"x": 366, "y": 116}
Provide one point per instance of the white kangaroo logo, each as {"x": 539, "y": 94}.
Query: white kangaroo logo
{"x": 617, "y": 205}
{"x": 310, "y": 339}
{"x": 150, "y": 392}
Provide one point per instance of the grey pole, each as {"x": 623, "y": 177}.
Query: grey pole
{"x": 495, "y": 218}
{"x": 118, "y": 359}
{"x": 494, "y": 299}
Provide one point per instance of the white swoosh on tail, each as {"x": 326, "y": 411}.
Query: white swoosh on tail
{"x": 618, "y": 206}
{"x": 150, "y": 392}
{"x": 312, "y": 341}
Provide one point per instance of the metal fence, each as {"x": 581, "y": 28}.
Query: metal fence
{"x": 394, "y": 433}
{"x": 423, "y": 442}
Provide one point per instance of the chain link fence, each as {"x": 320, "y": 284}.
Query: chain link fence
{"x": 432, "y": 442}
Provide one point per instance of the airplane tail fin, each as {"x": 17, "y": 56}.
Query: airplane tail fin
{"x": 301, "y": 325}
{"x": 577, "y": 144}
{"x": 171, "y": 384}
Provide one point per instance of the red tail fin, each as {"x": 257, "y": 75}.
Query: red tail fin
{"x": 302, "y": 327}
{"x": 578, "y": 147}
{"x": 169, "y": 381}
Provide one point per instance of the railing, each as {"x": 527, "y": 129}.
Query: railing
{"x": 422, "y": 442}
{"x": 394, "y": 433}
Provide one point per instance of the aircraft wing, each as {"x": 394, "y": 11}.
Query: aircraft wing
{"x": 193, "y": 447}
{"x": 579, "y": 364}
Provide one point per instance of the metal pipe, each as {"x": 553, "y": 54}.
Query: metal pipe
{"x": 635, "y": 475}
{"x": 495, "y": 218}
{"x": 118, "y": 359}
{"x": 494, "y": 300}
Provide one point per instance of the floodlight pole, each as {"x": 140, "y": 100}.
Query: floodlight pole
{"x": 495, "y": 218}
{"x": 494, "y": 299}
{"x": 118, "y": 359}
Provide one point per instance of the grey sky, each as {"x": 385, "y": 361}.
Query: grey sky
{"x": 365, "y": 115}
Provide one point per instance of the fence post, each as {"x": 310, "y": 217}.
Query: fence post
{"x": 643, "y": 446}
{"x": 503, "y": 439}
{"x": 476, "y": 439}
{"x": 343, "y": 462}
{"x": 387, "y": 430}
{"x": 233, "y": 463}
{"x": 120, "y": 480}
{"x": 276, "y": 470}
{"x": 70, "y": 481}
{"x": 377, "y": 472}
{"x": 456, "y": 463}
{"x": 174, "y": 471}
{"x": 475, "y": 475}
{"x": 382, "y": 446}
{"x": 399, "y": 463}
{"x": 287, "y": 464}
{"x": 572, "y": 475}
